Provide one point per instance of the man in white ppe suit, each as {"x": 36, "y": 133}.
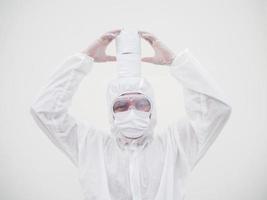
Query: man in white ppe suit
{"x": 132, "y": 162}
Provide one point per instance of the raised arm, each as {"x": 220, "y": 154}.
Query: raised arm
{"x": 50, "y": 108}
{"x": 206, "y": 106}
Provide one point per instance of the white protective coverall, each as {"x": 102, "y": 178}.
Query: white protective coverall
{"x": 159, "y": 167}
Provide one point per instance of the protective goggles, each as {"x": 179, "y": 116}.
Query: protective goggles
{"x": 137, "y": 101}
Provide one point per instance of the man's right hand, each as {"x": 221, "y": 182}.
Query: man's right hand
{"x": 97, "y": 49}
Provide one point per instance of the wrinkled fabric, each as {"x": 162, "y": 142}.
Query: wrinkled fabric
{"x": 159, "y": 167}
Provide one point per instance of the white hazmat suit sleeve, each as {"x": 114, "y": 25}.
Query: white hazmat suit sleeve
{"x": 205, "y": 104}
{"x": 50, "y": 107}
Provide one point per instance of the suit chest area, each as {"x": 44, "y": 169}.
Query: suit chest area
{"x": 134, "y": 176}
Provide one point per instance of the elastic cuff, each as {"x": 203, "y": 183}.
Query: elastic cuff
{"x": 87, "y": 62}
{"x": 180, "y": 58}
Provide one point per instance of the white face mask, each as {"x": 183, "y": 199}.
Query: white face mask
{"x": 132, "y": 123}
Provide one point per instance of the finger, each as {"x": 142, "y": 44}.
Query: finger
{"x": 142, "y": 32}
{"x": 149, "y": 35}
{"x": 148, "y": 59}
{"x": 112, "y": 34}
{"x": 110, "y": 58}
{"x": 152, "y": 40}
{"x": 116, "y": 31}
{"x": 148, "y": 40}
{"x": 108, "y": 36}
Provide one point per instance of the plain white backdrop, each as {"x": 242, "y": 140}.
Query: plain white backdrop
{"x": 227, "y": 36}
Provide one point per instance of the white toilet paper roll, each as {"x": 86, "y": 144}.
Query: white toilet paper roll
{"x": 128, "y": 47}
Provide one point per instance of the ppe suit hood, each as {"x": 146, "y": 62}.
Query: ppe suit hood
{"x": 128, "y": 80}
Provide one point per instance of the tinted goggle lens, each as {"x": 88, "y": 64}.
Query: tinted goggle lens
{"x": 122, "y": 105}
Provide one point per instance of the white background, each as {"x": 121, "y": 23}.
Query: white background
{"x": 228, "y": 37}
